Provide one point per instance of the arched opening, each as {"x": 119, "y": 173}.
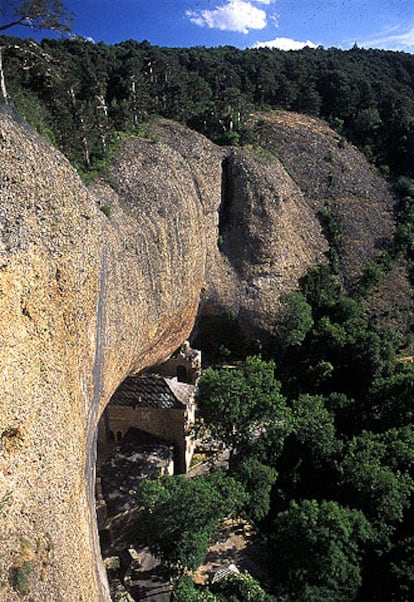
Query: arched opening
{"x": 119, "y": 436}
{"x": 182, "y": 374}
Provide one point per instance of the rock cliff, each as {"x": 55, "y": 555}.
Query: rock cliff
{"x": 85, "y": 300}
{"x": 101, "y": 283}
{"x": 336, "y": 178}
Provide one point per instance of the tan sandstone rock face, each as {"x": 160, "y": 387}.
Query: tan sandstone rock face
{"x": 87, "y": 299}
{"x": 48, "y": 295}
{"x": 260, "y": 234}
{"x": 84, "y": 301}
{"x": 336, "y": 178}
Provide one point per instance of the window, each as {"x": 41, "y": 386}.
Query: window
{"x": 182, "y": 374}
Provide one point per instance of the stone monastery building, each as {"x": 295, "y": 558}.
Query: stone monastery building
{"x": 160, "y": 404}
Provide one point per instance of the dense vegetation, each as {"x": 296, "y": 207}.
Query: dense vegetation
{"x": 80, "y": 93}
{"x": 321, "y": 437}
{"x": 85, "y": 97}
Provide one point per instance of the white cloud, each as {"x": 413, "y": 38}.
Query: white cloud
{"x": 235, "y": 15}
{"x": 285, "y": 44}
{"x": 391, "y": 40}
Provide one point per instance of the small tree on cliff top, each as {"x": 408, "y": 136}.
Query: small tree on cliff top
{"x": 35, "y": 14}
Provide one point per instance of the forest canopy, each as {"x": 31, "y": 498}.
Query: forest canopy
{"x": 81, "y": 91}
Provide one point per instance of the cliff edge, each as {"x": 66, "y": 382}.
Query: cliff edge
{"x": 101, "y": 283}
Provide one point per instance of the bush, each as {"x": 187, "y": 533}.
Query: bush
{"x": 240, "y": 587}
{"x": 21, "y": 574}
{"x": 316, "y": 550}
{"x": 297, "y": 321}
{"x": 106, "y": 210}
{"x": 186, "y": 591}
{"x": 180, "y": 516}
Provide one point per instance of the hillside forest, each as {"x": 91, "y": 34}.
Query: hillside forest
{"x": 319, "y": 422}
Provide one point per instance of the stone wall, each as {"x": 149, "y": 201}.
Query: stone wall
{"x": 186, "y": 369}
{"x": 169, "y": 425}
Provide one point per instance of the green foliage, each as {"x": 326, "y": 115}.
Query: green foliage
{"x": 243, "y": 407}
{"x": 352, "y": 349}
{"x": 390, "y": 401}
{"x": 405, "y": 186}
{"x": 338, "y": 372}
{"x": 37, "y": 14}
{"x": 180, "y": 516}
{"x": 402, "y": 571}
{"x": 231, "y": 138}
{"x": 88, "y": 176}
{"x": 343, "y": 409}
{"x": 400, "y": 448}
{"x": 341, "y": 353}
{"x": 307, "y": 465}
{"x": 141, "y": 130}
{"x": 368, "y": 98}
{"x": 106, "y": 210}
{"x": 377, "y": 480}
{"x": 317, "y": 550}
{"x": 296, "y": 323}
{"x": 21, "y": 575}
{"x": 314, "y": 426}
{"x": 331, "y": 232}
{"x": 320, "y": 288}
{"x": 240, "y": 587}
{"x": 236, "y": 587}
{"x": 257, "y": 479}
{"x": 186, "y": 591}
{"x": 373, "y": 276}
{"x": 327, "y": 456}
{"x": 99, "y": 163}
{"x": 35, "y": 113}
{"x": 404, "y": 236}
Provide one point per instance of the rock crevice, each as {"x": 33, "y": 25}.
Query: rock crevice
{"x": 87, "y": 299}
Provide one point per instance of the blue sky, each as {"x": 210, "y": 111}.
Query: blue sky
{"x": 286, "y": 24}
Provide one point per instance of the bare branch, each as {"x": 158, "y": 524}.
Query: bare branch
{"x": 12, "y": 24}
{"x": 37, "y": 14}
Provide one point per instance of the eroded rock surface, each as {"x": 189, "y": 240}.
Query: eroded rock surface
{"x": 87, "y": 299}
{"x": 336, "y": 178}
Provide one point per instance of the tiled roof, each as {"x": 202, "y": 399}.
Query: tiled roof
{"x": 152, "y": 391}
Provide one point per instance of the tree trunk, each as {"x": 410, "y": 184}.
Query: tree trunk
{"x": 3, "y": 88}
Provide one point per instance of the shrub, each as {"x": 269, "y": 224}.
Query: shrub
{"x": 106, "y": 210}
{"x": 21, "y": 574}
